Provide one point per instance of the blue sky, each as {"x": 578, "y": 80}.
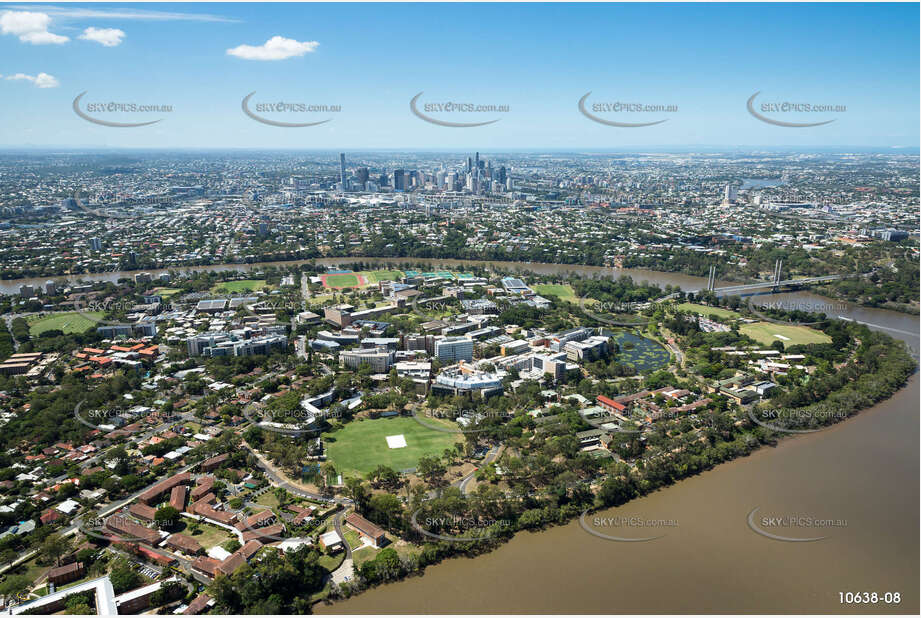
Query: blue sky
{"x": 538, "y": 59}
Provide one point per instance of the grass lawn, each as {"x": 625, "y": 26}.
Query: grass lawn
{"x": 361, "y": 446}
{"x": 764, "y": 333}
{"x": 166, "y": 292}
{"x": 365, "y": 554}
{"x": 706, "y": 311}
{"x": 30, "y": 569}
{"x": 244, "y": 285}
{"x": 331, "y": 563}
{"x": 268, "y": 499}
{"x": 316, "y": 299}
{"x": 70, "y": 322}
{"x": 352, "y": 538}
{"x": 375, "y": 276}
{"x": 564, "y": 292}
{"x": 341, "y": 280}
{"x": 210, "y": 535}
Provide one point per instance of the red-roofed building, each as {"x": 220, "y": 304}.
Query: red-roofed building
{"x": 610, "y": 405}
{"x": 177, "y": 497}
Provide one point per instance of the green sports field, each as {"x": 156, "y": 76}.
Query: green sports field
{"x": 764, "y": 333}
{"x": 706, "y": 311}
{"x": 563, "y": 292}
{"x": 166, "y": 292}
{"x": 341, "y": 280}
{"x": 360, "y": 279}
{"x": 243, "y": 285}
{"x": 361, "y": 445}
{"x": 376, "y": 276}
{"x": 68, "y": 323}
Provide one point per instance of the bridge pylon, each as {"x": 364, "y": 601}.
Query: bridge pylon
{"x": 778, "y": 268}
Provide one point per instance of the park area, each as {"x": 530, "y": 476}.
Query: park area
{"x": 362, "y": 445}
{"x": 341, "y": 280}
{"x": 767, "y": 333}
{"x": 706, "y": 311}
{"x": 563, "y": 292}
{"x": 241, "y": 285}
{"x": 69, "y": 323}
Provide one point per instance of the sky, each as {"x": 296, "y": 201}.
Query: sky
{"x": 538, "y": 60}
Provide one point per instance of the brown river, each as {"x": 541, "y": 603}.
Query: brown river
{"x": 856, "y": 484}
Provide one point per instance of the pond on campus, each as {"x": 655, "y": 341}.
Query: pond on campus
{"x": 644, "y": 354}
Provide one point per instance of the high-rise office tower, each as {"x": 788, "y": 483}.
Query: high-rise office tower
{"x": 399, "y": 180}
{"x": 363, "y": 176}
{"x": 342, "y": 170}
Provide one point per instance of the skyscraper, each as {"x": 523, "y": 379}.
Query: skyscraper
{"x": 476, "y": 173}
{"x": 399, "y": 180}
{"x": 363, "y": 176}
{"x": 342, "y": 170}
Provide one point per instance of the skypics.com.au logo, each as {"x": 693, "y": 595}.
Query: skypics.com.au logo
{"x": 621, "y": 314}
{"x": 287, "y": 109}
{"x": 464, "y": 522}
{"x": 115, "y": 109}
{"x": 437, "y": 112}
{"x": 791, "y": 527}
{"x": 771, "y": 112}
{"x": 604, "y": 112}
{"x": 626, "y": 528}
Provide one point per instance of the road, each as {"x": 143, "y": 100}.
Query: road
{"x": 279, "y": 479}
{"x": 346, "y": 570}
{"x": 491, "y": 455}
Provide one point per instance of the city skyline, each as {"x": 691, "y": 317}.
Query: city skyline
{"x": 371, "y": 61}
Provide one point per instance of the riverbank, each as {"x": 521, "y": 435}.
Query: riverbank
{"x": 712, "y": 562}
{"x": 11, "y": 285}
{"x": 888, "y": 382}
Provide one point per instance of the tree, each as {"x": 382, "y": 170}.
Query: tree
{"x": 77, "y": 605}
{"x": 166, "y": 517}
{"x": 357, "y": 491}
{"x": 14, "y": 585}
{"x": 386, "y": 509}
{"x": 55, "y": 547}
{"x": 432, "y": 470}
{"x": 123, "y": 576}
{"x": 120, "y": 456}
{"x": 232, "y": 545}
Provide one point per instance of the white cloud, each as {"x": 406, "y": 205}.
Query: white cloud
{"x": 30, "y": 27}
{"x": 276, "y": 48}
{"x": 70, "y": 12}
{"x": 42, "y": 80}
{"x": 110, "y": 37}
